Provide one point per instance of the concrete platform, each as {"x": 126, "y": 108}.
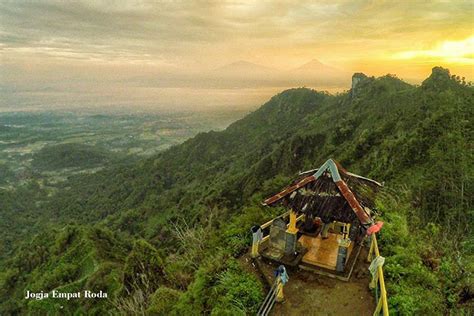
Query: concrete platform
{"x": 322, "y": 252}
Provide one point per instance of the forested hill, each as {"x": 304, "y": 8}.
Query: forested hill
{"x": 185, "y": 213}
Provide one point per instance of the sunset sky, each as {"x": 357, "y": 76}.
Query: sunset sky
{"x": 162, "y": 53}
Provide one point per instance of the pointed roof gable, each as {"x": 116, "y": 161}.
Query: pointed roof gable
{"x": 337, "y": 174}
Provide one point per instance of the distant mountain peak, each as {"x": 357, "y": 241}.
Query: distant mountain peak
{"x": 315, "y": 67}
{"x": 315, "y": 61}
{"x": 241, "y": 64}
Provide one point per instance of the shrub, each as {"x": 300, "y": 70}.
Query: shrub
{"x": 163, "y": 301}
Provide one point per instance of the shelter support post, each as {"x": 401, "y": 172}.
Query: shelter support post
{"x": 292, "y": 225}
{"x": 291, "y": 237}
{"x": 281, "y": 280}
{"x": 254, "y": 250}
{"x": 280, "y": 297}
{"x": 256, "y": 239}
{"x": 344, "y": 244}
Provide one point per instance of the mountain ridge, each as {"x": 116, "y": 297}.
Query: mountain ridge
{"x": 211, "y": 187}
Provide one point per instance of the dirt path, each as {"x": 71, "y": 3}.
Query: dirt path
{"x": 308, "y": 293}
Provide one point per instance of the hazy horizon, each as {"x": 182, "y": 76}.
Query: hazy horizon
{"x": 208, "y": 55}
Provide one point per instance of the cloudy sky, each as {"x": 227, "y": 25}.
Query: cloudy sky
{"x": 174, "y": 54}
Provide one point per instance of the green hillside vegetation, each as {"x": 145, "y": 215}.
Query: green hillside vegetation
{"x": 181, "y": 218}
{"x": 5, "y": 173}
{"x": 69, "y": 155}
{"x": 67, "y": 260}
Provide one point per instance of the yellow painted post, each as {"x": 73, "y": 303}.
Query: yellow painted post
{"x": 281, "y": 279}
{"x": 382, "y": 304}
{"x": 292, "y": 225}
{"x": 383, "y": 292}
{"x": 371, "y": 250}
{"x": 378, "y": 308}
{"x": 256, "y": 239}
{"x": 254, "y": 249}
{"x": 280, "y": 297}
{"x": 345, "y": 230}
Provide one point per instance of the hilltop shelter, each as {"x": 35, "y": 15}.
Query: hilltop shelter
{"x": 330, "y": 211}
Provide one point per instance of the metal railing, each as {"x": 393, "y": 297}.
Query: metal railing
{"x": 378, "y": 281}
{"x": 269, "y": 301}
